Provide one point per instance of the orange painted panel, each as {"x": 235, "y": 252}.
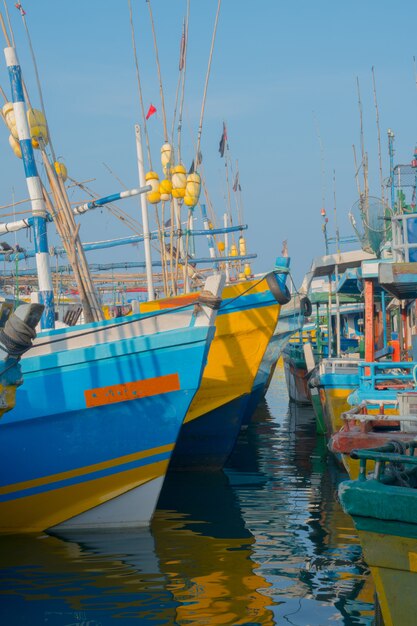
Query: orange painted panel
{"x": 168, "y": 303}
{"x": 132, "y": 391}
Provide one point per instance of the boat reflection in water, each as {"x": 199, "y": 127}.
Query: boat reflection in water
{"x": 84, "y": 579}
{"x": 206, "y": 553}
{"x": 195, "y": 566}
{"x": 306, "y": 547}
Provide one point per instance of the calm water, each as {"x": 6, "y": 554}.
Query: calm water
{"x": 263, "y": 543}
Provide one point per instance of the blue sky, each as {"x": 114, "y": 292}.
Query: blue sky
{"x": 280, "y": 70}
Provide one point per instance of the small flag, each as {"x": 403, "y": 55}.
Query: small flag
{"x": 236, "y": 184}
{"x": 151, "y": 111}
{"x": 223, "y": 140}
{"x": 199, "y": 161}
{"x": 20, "y": 8}
{"x": 182, "y": 48}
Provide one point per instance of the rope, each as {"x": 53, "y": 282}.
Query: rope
{"x": 246, "y": 291}
{"x": 16, "y": 337}
{"x": 206, "y": 298}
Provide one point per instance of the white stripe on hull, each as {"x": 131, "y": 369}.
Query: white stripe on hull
{"x": 132, "y": 509}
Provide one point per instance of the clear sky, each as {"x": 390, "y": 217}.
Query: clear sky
{"x": 281, "y": 71}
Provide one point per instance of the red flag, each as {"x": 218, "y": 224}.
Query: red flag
{"x": 151, "y": 111}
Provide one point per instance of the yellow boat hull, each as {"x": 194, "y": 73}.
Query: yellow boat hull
{"x": 393, "y": 563}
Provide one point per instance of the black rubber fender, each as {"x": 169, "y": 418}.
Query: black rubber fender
{"x": 281, "y": 294}
{"x": 306, "y": 307}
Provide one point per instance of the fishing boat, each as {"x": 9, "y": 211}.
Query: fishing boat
{"x": 97, "y": 418}
{"x": 293, "y": 312}
{"x": 245, "y": 324}
{"x": 333, "y": 333}
{"x": 383, "y": 405}
{"x": 383, "y": 505}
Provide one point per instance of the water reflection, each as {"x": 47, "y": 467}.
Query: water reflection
{"x": 206, "y": 554}
{"x": 305, "y": 545}
{"x": 263, "y": 543}
{"x": 82, "y": 580}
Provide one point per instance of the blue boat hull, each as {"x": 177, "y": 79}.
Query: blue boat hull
{"x": 207, "y": 443}
{"x": 97, "y": 423}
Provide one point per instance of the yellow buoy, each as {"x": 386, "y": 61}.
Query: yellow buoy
{"x": 179, "y": 181}
{"x": 165, "y": 189}
{"x": 61, "y": 170}
{"x": 37, "y": 125}
{"x": 192, "y": 190}
{"x": 9, "y": 118}
{"x": 15, "y": 146}
{"x": 248, "y": 271}
{"x": 221, "y": 246}
{"x": 154, "y": 195}
{"x": 166, "y": 157}
{"x": 242, "y": 246}
{"x": 233, "y": 250}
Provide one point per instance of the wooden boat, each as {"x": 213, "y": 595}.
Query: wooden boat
{"x": 383, "y": 506}
{"x": 291, "y": 319}
{"x": 296, "y": 373}
{"x": 333, "y": 339}
{"x": 375, "y": 416}
{"x": 97, "y": 417}
{"x": 244, "y": 327}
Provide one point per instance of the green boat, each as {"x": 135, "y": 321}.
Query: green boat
{"x": 383, "y": 505}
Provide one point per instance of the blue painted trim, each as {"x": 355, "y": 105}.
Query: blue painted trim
{"x": 39, "y": 231}
{"x": 28, "y": 158}
{"x": 15, "y": 75}
{"x": 76, "y": 480}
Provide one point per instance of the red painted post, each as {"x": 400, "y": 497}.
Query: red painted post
{"x": 369, "y": 321}
{"x": 405, "y": 333}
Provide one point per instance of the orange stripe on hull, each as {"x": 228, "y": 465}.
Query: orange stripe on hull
{"x": 132, "y": 391}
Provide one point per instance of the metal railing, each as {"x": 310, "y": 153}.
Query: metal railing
{"x": 404, "y": 228}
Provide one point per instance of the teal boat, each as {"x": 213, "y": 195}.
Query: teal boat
{"x": 383, "y": 506}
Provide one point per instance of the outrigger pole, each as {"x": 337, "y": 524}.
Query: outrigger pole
{"x": 39, "y": 219}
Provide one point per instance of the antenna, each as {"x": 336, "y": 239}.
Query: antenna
{"x": 335, "y": 213}
{"x": 322, "y": 162}
{"x": 415, "y": 70}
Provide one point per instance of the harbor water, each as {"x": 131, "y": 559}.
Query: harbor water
{"x": 264, "y": 542}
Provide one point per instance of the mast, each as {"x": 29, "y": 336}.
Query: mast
{"x": 46, "y": 294}
{"x": 144, "y": 209}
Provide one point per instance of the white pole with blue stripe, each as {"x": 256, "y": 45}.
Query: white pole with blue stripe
{"x": 46, "y": 294}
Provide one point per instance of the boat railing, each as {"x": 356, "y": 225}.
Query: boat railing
{"x": 383, "y": 455}
{"x": 387, "y": 374}
{"x": 359, "y": 414}
{"x": 404, "y": 237}
{"x": 333, "y": 366}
